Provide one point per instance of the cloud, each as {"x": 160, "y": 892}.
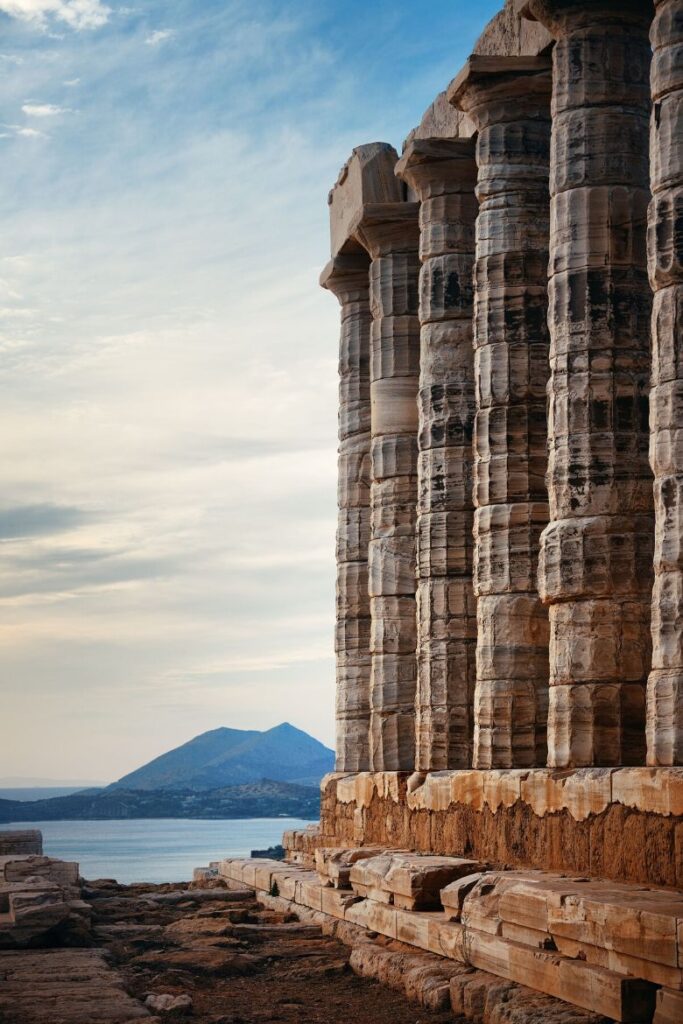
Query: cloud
{"x": 161, "y": 35}
{"x": 24, "y": 131}
{"x": 43, "y": 110}
{"x": 38, "y": 520}
{"x": 78, "y": 14}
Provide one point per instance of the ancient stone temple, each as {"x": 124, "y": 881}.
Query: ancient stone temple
{"x": 508, "y": 798}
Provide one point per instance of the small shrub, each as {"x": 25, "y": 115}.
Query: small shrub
{"x": 275, "y": 889}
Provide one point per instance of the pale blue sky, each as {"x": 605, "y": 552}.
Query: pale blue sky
{"x": 168, "y": 362}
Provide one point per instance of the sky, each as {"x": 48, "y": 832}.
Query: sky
{"x": 168, "y": 379}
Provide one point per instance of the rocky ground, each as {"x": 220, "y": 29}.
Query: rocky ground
{"x": 227, "y": 961}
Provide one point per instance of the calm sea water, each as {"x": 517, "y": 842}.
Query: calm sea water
{"x": 155, "y": 850}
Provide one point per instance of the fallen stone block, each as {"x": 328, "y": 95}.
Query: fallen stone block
{"x": 25, "y": 841}
{"x": 334, "y": 864}
{"x": 416, "y": 882}
{"x": 453, "y": 895}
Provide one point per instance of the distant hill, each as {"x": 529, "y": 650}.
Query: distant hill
{"x": 234, "y": 757}
{"x": 263, "y": 799}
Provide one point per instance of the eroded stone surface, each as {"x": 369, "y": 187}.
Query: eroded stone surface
{"x": 442, "y": 174}
{"x": 599, "y": 361}
{"x": 508, "y": 100}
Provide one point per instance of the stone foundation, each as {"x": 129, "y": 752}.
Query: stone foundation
{"x": 624, "y": 824}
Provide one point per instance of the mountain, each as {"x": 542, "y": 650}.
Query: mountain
{"x": 234, "y": 757}
{"x": 263, "y": 799}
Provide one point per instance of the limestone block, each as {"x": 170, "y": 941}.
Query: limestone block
{"x": 353, "y": 534}
{"x": 510, "y": 454}
{"x": 598, "y": 225}
{"x": 354, "y": 469}
{"x": 443, "y": 733}
{"x": 506, "y": 541}
{"x": 596, "y": 557}
{"x": 510, "y": 716}
{"x": 665, "y": 238}
{"x": 445, "y": 480}
{"x": 446, "y": 287}
{"x": 616, "y": 996}
{"x": 394, "y": 630}
{"x": 669, "y": 1008}
{"x": 334, "y": 863}
{"x": 447, "y": 609}
{"x": 394, "y": 346}
{"x": 453, "y": 895}
{"x": 596, "y": 723}
{"x": 336, "y": 903}
{"x": 446, "y": 352}
{"x": 667, "y": 335}
{"x": 665, "y": 716}
{"x": 393, "y": 405}
{"x": 416, "y": 881}
{"x": 666, "y": 148}
{"x": 593, "y": 145}
{"x": 580, "y": 641}
{"x": 391, "y": 563}
{"x": 513, "y": 637}
{"x": 444, "y": 544}
{"x": 510, "y": 371}
{"x": 393, "y": 458}
{"x": 367, "y": 177}
{"x": 447, "y": 222}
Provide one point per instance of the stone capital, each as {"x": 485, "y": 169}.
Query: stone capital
{"x": 387, "y": 228}
{"x": 563, "y": 16}
{"x": 496, "y": 89}
{"x": 435, "y": 166}
{"x": 346, "y": 276}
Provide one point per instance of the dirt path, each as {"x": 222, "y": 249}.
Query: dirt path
{"x": 238, "y": 963}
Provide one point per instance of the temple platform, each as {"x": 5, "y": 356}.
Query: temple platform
{"x": 624, "y": 824}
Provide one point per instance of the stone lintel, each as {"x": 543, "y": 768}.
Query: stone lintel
{"x": 384, "y": 228}
{"x": 429, "y": 162}
{"x": 367, "y": 177}
{"x": 560, "y": 15}
{"x": 506, "y": 78}
{"x": 346, "y": 272}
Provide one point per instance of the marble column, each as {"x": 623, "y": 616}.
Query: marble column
{"x": 595, "y": 571}
{"x": 442, "y": 173}
{"x": 347, "y": 276}
{"x": 508, "y": 100}
{"x": 389, "y": 232}
{"x": 665, "y": 250}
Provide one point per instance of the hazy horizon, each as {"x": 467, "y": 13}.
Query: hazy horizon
{"x": 169, "y": 362}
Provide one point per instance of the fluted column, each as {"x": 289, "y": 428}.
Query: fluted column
{"x": 348, "y": 278}
{"x": 665, "y": 245}
{"x": 443, "y": 173}
{"x": 596, "y": 554}
{"x": 509, "y": 102}
{"x": 389, "y": 232}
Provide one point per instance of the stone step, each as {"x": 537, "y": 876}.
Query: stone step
{"x": 476, "y": 938}
{"x": 408, "y": 880}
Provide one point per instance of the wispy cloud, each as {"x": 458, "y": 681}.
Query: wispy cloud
{"x": 23, "y": 131}
{"x": 44, "y": 110}
{"x": 160, "y": 35}
{"x": 78, "y": 14}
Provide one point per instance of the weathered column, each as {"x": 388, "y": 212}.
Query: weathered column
{"x": 347, "y": 276}
{"x": 595, "y": 569}
{"x": 509, "y": 101}
{"x": 443, "y": 174}
{"x": 665, "y": 244}
{"x": 389, "y": 232}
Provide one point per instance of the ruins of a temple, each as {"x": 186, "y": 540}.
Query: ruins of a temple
{"x": 508, "y": 793}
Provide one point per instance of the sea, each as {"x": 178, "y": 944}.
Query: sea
{"x": 155, "y": 849}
